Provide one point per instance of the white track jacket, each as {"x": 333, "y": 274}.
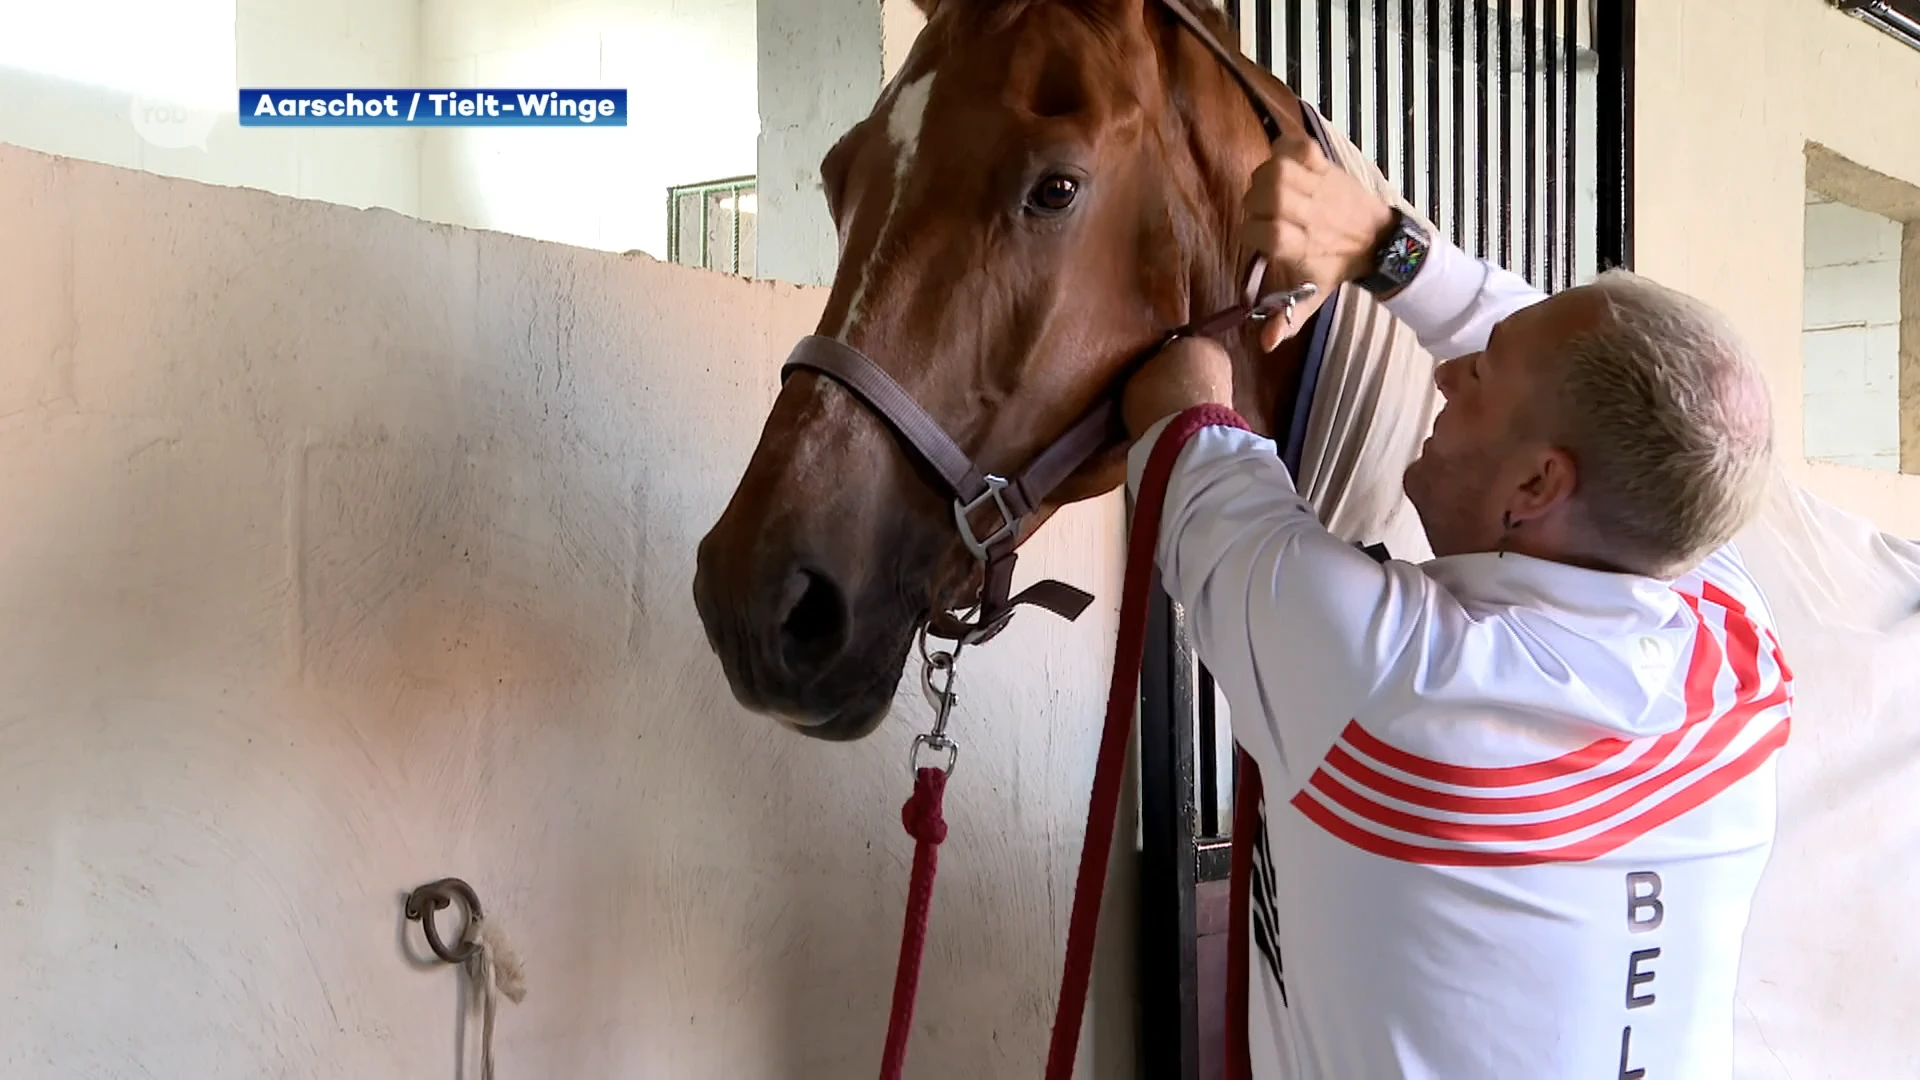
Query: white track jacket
{"x": 1515, "y": 811}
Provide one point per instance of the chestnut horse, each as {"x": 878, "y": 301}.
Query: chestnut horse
{"x": 1043, "y": 192}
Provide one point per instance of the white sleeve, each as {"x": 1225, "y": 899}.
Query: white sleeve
{"x": 1298, "y": 626}
{"x": 1455, "y": 300}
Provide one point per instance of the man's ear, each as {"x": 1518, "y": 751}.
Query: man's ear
{"x": 1552, "y": 481}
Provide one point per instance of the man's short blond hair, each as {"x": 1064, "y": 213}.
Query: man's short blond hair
{"x": 1665, "y": 411}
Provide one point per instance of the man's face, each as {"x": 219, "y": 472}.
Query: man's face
{"x": 1487, "y": 440}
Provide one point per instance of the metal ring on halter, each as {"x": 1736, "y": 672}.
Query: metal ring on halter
{"x": 1282, "y": 303}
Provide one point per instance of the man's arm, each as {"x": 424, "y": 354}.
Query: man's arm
{"x": 1454, "y": 302}
{"x": 1293, "y": 621}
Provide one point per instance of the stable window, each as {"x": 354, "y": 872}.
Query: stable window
{"x": 1860, "y": 330}
{"x": 711, "y": 225}
{"x": 1901, "y": 18}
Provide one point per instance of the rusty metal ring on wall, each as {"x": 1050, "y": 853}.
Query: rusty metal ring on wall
{"x": 425, "y": 900}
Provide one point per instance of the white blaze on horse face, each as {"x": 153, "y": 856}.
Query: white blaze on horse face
{"x": 905, "y": 116}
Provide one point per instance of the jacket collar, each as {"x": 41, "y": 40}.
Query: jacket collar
{"x": 1593, "y": 603}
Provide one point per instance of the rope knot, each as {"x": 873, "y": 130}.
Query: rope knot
{"x": 921, "y": 814}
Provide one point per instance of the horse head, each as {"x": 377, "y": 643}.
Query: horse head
{"x": 1042, "y": 192}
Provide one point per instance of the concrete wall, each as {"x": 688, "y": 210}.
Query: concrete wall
{"x": 1722, "y": 164}
{"x": 344, "y": 552}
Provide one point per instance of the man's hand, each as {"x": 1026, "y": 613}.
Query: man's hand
{"x": 1189, "y": 372}
{"x": 1314, "y": 222}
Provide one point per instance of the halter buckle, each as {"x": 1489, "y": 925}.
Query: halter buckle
{"x": 986, "y": 630}
{"x": 963, "y": 517}
{"x": 1281, "y": 303}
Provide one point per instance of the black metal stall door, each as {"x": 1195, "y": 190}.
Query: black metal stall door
{"x": 1509, "y": 124}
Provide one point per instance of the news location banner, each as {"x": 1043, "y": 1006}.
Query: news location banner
{"x": 370, "y": 107}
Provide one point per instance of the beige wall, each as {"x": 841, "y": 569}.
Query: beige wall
{"x": 343, "y": 552}
{"x": 1729, "y": 96}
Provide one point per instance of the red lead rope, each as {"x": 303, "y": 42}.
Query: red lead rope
{"x": 922, "y": 818}
{"x": 924, "y": 823}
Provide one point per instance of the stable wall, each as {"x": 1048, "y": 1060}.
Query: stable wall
{"x": 692, "y": 114}
{"x": 151, "y": 85}
{"x": 1722, "y": 175}
{"x": 1729, "y": 98}
{"x": 344, "y": 552}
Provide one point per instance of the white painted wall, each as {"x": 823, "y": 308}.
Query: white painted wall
{"x": 150, "y": 84}
{"x": 1851, "y": 338}
{"x": 344, "y": 552}
{"x": 688, "y": 69}
{"x": 107, "y": 80}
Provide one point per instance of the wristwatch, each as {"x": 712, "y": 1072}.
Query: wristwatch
{"x": 1402, "y": 251}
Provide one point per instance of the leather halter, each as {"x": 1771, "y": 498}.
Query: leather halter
{"x": 1013, "y": 501}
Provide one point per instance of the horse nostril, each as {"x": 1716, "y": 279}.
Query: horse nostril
{"x": 813, "y": 629}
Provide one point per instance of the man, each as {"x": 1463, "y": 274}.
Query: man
{"x": 1517, "y": 798}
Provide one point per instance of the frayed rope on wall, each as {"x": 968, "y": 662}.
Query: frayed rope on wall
{"x": 493, "y": 969}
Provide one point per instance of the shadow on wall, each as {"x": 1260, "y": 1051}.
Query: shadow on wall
{"x": 349, "y": 552}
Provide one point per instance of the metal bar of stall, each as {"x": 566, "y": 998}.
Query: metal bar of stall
{"x": 1408, "y": 100}
{"x": 1382, "y": 123}
{"x": 1459, "y": 178}
{"x": 1207, "y": 754}
{"x": 1505, "y": 82}
{"x": 1482, "y": 166}
{"x": 1432, "y": 204}
{"x": 1530, "y": 37}
{"x": 1323, "y": 35}
{"x": 1356, "y": 78}
{"x": 1555, "y": 148}
{"x": 1570, "y": 223}
{"x": 1168, "y": 940}
{"x": 1294, "y": 45}
{"x": 1263, "y": 33}
{"x": 1613, "y": 46}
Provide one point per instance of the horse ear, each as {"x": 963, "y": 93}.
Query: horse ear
{"x": 927, "y": 7}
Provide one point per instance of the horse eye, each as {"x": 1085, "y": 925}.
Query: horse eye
{"x": 1054, "y": 194}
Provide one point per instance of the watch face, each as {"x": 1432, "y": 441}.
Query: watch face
{"x": 1402, "y": 256}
